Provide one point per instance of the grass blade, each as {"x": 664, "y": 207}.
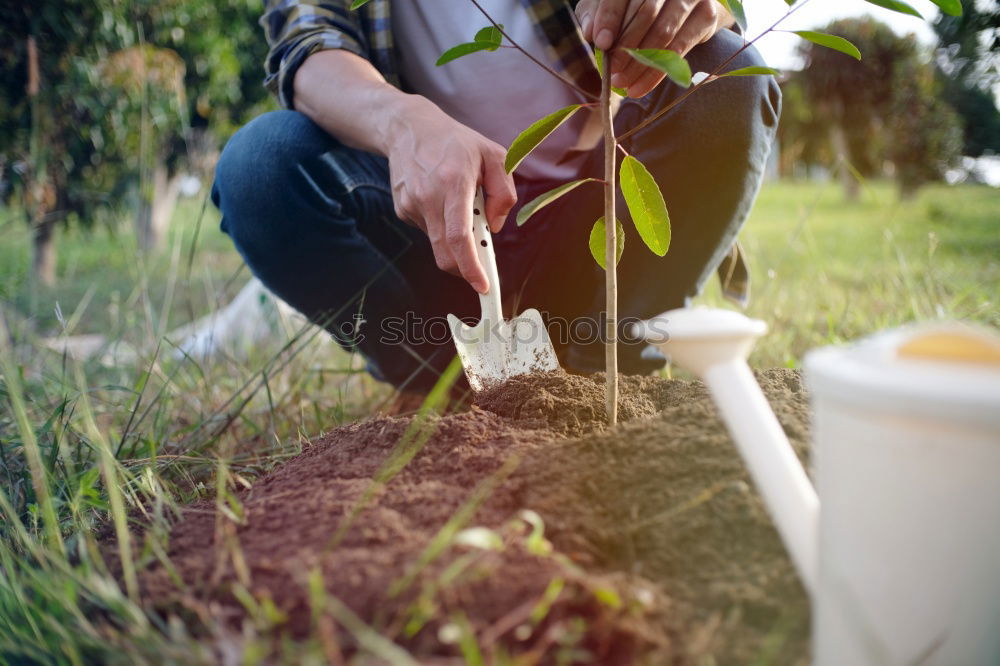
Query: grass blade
{"x": 109, "y": 471}
{"x": 32, "y": 452}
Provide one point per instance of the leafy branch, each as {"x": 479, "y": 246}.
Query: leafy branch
{"x": 533, "y": 59}
{"x": 735, "y": 7}
{"x": 643, "y": 197}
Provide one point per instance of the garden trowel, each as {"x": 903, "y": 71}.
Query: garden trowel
{"x": 494, "y": 350}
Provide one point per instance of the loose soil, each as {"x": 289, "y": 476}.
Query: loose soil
{"x": 656, "y": 548}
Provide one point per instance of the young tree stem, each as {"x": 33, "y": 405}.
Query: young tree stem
{"x": 610, "y": 247}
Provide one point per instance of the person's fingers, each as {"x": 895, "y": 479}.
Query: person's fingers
{"x": 425, "y": 209}
{"x": 700, "y": 26}
{"x": 498, "y": 188}
{"x": 435, "y": 227}
{"x": 459, "y": 237}
{"x": 406, "y": 208}
{"x": 639, "y": 18}
{"x": 644, "y": 84}
{"x": 585, "y": 10}
{"x": 659, "y": 35}
{"x": 608, "y": 22}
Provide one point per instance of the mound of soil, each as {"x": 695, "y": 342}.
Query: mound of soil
{"x": 569, "y": 404}
{"x": 668, "y": 499}
{"x": 658, "y": 550}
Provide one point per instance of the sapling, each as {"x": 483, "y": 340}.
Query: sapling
{"x": 643, "y": 198}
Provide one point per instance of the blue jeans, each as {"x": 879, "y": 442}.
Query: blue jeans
{"x": 314, "y": 220}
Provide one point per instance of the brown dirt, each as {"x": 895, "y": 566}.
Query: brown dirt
{"x": 668, "y": 499}
{"x": 659, "y": 510}
{"x": 572, "y": 405}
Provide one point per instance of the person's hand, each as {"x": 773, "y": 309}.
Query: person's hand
{"x": 678, "y": 25}
{"x": 435, "y": 165}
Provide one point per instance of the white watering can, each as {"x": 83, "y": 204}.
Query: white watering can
{"x": 898, "y": 544}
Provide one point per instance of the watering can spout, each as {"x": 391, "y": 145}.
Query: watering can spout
{"x": 714, "y": 344}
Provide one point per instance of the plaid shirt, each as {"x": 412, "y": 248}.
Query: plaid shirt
{"x": 296, "y": 29}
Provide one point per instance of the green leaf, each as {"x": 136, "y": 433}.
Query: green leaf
{"x": 599, "y": 57}
{"x": 598, "y": 244}
{"x": 491, "y": 35}
{"x": 357, "y": 4}
{"x": 529, "y": 139}
{"x": 950, "y": 7}
{"x": 753, "y": 70}
{"x": 646, "y": 205}
{"x": 542, "y": 200}
{"x": 463, "y": 49}
{"x": 608, "y": 596}
{"x": 896, "y": 6}
{"x": 669, "y": 62}
{"x": 487, "y": 39}
{"x": 735, "y": 7}
{"x": 830, "y": 42}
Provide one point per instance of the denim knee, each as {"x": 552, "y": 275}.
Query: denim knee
{"x": 757, "y": 98}
{"x": 259, "y": 180}
{"x": 263, "y": 156}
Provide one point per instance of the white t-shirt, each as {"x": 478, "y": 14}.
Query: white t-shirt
{"x": 497, "y": 93}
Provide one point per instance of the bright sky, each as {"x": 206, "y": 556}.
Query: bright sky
{"x": 779, "y": 49}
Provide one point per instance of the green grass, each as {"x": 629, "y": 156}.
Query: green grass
{"x": 100, "y": 266}
{"x": 162, "y": 432}
{"x": 825, "y": 270}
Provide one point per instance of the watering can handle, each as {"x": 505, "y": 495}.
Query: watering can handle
{"x": 490, "y": 301}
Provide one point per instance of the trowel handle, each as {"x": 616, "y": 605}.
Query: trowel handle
{"x": 490, "y": 301}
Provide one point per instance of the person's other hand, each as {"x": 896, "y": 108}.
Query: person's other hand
{"x": 678, "y": 25}
{"x": 435, "y": 165}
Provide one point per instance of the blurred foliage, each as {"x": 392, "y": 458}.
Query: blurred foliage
{"x": 72, "y": 145}
{"x": 122, "y": 85}
{"x": 969, "y": 60}
{"x": 884, "y": 112}
{"x": 803, "y": 135}
{"x": 224, "y": 50}
{"x": 926, "y": 134}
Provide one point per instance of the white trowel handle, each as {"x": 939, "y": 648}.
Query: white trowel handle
{"x": 490, "y": 301}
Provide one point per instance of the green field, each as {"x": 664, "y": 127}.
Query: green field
{"x": 82, "y": 444}
{"x": 824, "y": 270}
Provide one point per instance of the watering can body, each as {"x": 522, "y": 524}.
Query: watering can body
{"x": 899, "y": 543}
{"x": 907, "y": 460}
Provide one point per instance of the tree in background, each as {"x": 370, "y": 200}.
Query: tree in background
{"x": 103, "y": 104}
{"x": 224, "y": 50}
{"x": 147, "y": 111}
{"x": 882, "y": 111}
{"x": 969, "y": 60}
{"x": 220, "y": 43}
{"x": 82, "y": 97}
{"x": 926, "y": 132}
{"x": 803, "y": 134}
